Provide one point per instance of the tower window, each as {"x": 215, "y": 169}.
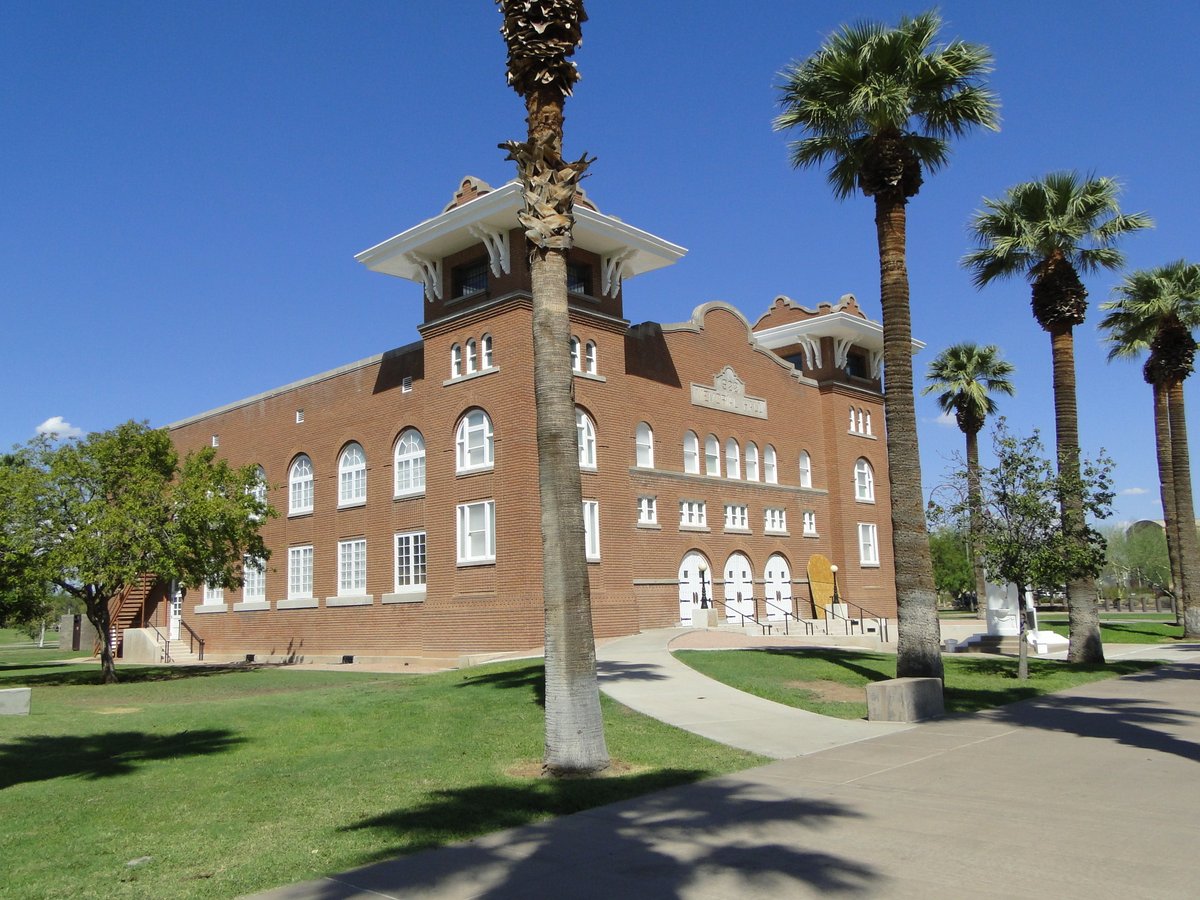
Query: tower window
{"x": 470, "y": 278}
{"x": 579, "y": 279}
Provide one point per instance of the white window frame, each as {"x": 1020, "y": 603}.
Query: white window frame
{"x": 591, "y": 529}
{"x": 733, "y": 459}
{"x": 408, "y": 464}
{"x": 852, "y": 430}
{"x": 410, "y": 562}
{"x": 647, "y": 510}
{"x": 474, "y": 437}
{"x": 477, "y": 518}
{"x": 589, "y": 357}
{"x": 456, "y": 369}
{"x": 485, "y": 352}
{"x": 213, "y": 594}
{"x": 752, "y": 461}
{"x": 712, "y": 456}
{"x": 805, "y": 469}
{"x": 691, "y": 453}
{"x": 770, "y": 465}
{"x": 775, "y": 520}
{"x": 472, "y": 355}
{"x": 693, "y": 514}
{"x": 254, "y": 579}
{"x": 352, "y": 567}
{"x": 585, "y": 431}
{"x": 737, "y": 517}
{"x": 352, "y": 476}
{"x": 868, "y": 544}
{"x": 644, "y": 446}
{"x": 300, "y": 485}
{"x": 864, "y": 481}
{"x": 810, "y": 522}
{"x": 576, "y": 358}
{"x": 300, "y": 572}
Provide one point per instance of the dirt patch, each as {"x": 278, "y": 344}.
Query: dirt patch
{"x": 532, "y": 768}
{"x": 118, "y": 710}
{"x": 833, "y": 691}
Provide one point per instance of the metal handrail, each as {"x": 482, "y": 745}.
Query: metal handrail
{"x": 809, "y": 628}
{"x": 192, "y": 636}
{"x": 165, "y": 641}
{"x": 765, "y": 626}
{"x": 881, "y": 622}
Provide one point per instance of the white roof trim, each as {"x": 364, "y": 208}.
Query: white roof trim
{"x": 838, "y": 324}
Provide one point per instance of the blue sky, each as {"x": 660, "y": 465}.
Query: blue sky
{"x": 183, "y": 187}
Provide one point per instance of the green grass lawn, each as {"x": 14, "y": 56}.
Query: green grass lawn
{"x": 1123, "y": 628}
{"x": 831, "y": 682}
{"x": 230, "y": 780}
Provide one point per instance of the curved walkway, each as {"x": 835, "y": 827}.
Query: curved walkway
{"x": 640, "y": 672}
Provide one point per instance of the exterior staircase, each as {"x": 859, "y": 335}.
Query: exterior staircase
{"x": 128, "y": 610}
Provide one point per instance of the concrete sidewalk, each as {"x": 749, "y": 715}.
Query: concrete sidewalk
{"x": 1089, "y": 793}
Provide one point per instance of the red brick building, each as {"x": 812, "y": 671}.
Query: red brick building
{"x": 407, "y": 483}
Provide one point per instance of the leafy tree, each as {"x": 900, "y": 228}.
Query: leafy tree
{"x": 880, "y": 105}
{"x": 1049, "y": 231}
{"x": 1158, "y": 310}
{"x": 952, "y": 570}
{"x": 1023, "y": 538}
{"x": 1138, "y": 554}
{"x": 965, "y": 376}
{"x": 93, "y": 516}
{"x": 541, "y": 36}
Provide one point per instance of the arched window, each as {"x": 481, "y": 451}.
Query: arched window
{"x": 300, "y": 486}
{"x": 472, "y": 355}
{"x": 586, "y": 431}
{"x": 805, "y": 469}
{"x": 864, "y": 481}
{"x": 352, "y": 476}
{"x": 485, "y": 352}
{"x": 473, "y": 443}
{"x": 752, "y": 461}
{"x": 410, "y": 463}
{"x": 770, "y": 469}
{"x": 733, "y": 459}
{"x": 258, "y": 490}
{"x": 590, "y": 357}
{"x": 576, "y": 365}
{"x": 712, "y": 456}
{"x": 644, "y": 441}
{"x": 869, "y": 431}
{"x": 861, "y": 423}
{"x": 691, "y": 453}
{"x": 456, "y": 361}
{"x": 852, "y": 418}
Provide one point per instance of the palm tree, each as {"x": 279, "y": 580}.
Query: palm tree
{"x": 1158, "y": 310}
{"x": 880, "y": 105}
{"x": 965, "y": 377}
{"x": 1049, "y": 231}
{"x": 541, "y": 36}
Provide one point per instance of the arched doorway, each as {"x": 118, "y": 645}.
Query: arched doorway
{"x": 739, "y": 586}
{"x": 694, "y": 566}
{"x": 777, "y": 587}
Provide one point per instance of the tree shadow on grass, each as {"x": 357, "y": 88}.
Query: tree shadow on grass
{"x": 107, "y": 755}
{"x": 739, "y": 836}
{"x": 72, "y": 674}
{"x": 532, "y": 676}
{"x": 850, "y": 660}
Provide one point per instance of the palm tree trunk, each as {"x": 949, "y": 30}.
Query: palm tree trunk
{"x": 918, "y": 638}
{"x": 975, "y": 501}
{"x": 1166, "y": 489}
{"x": 1184, "y": 510}
{"x": 574, "y": 726}
{"x": 1084, "y": 644}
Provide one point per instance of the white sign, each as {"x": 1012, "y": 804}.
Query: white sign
{"x": 728, "y": 392}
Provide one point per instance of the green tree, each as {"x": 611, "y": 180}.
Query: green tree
{"x": 880, "y": 105}
{"x": 952, "y": 571}
{"x": 541, "y": 36}
{"x": 965, "y": 377}
{"x": 1049, "y": 231}
{"x": 1023, "y": 537}
{"x": 93, "y": 516}
{"x": 1137, "y": 556}
{"x": 1158, "y": 310}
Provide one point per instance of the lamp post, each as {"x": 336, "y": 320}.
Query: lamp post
{"x": 833, "y": 569}
{"x": 703, "y": 590}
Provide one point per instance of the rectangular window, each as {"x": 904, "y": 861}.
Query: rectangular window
{"x": 213, "y": 594}
{"x": 300, "y": 573}
{"x": 410, "y": 561}
{"x": 775, "y": 519}
{"x": 647, "y": 510}
{"x": 406, "y": 385}
{"x": 352, "y": 568}
{"x": 736, "y": 516}
{"x": 299, "y": 416}
{"x": 254, "y": 575}
{"x": 579, "y": 279}
{"x": 868, "y": 544}
{"x": 216, "y": 440}
{"x": 591, "y": 528}
{"x": 692, "y": 514}
{"x": 810, "y": 522}
{"x": 470, "y": 279}
{"x": 477, "y": 532}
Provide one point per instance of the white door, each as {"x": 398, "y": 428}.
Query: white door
{"x": 778, "y": 587}
{"x": 690, "y": 584}
{"x": 739, "y": 587}
{"x": 176, "y": 613}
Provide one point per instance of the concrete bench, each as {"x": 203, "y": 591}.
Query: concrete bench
{"x": 905, "y": 700}
{"x": 15, "y": 701}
